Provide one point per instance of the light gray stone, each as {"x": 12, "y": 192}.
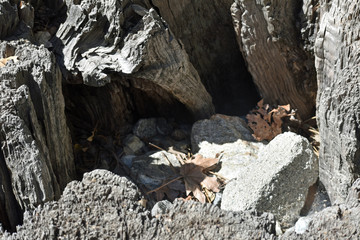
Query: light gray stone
{"x": 160, "y": 208}
{"x": 229, "y": 137}
{"x": 277, "y": 182}
{"x": 234, "y": 156}
{"x": 302, "y": 225}
{"x": 106, "y": 206}
{"x": 219, "y": 129}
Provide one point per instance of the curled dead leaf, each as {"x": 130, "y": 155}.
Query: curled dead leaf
{"x": 3, "y": 61}
{"x": 265, "y": 123}
{"x": 195, "y": 179}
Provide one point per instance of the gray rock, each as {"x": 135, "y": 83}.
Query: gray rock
{"x": 234, "y": 156}
{"x": 105, "y": 206}
{"x": 133, "y": 145}
{"x": 229, "y": 137}
{"x": 219, "y": 129}
{"x": 269, "y": 41}
{"x": 128, "y": 160}
{"x": 277, "y": 182}
{"x": 153, "y": 168}
{"x": 336, "y": 222}
{"x": 36, "y": 150}
{"x": 302, "y": 225}
{"x": 163, "y": 127}
{"x": 338, "y": 107}
{"x": 9, "y": 18}
{"x": 219, "y": 224}
{"x": 145, "y": 128}
{"x": 160, "y": 208}
{"x": 102, "y": 205}
{"x": 118, "y": 44}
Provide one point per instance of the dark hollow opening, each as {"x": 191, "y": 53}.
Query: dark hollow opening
{"x": 111, "y": 111}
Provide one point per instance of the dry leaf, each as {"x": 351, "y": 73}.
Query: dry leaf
{"x": 262, "y": 129}
{"x": 267, "y": 124}
{"x": 195, "y": 179}
{"x": 3, "y": 61}
{"x": 142, "y": 202}
{"x": 91, "y": 138}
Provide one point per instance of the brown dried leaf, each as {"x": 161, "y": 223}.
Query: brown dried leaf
{"x": 262, "y": 129}
{"x": 267, "y": 124}
{"x": 195, "y": 179}
{"x": 3, "y": 61}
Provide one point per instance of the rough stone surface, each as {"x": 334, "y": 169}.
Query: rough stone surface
{"x": 336, "y": 222}
{"x": 270, "y": 43}
{"x": 206, "y": 32}
{"x": 36, "y": 150}
{"x": 219, "y": 129}
{"x": 133, "y": 145}
{"x": 229, "y": 137}
{"x": 145, "y": 128}
{"x": 120, "y": 41}
{"x": 277, "y": 182}
{"x": 104, "y": 205}
{"x": 337, "y": 64}
{"x": 160, "y": 208}
{"x": 153, "y": 168}
{"x": 234, "y": 156}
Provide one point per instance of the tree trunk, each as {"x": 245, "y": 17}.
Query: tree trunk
{"x": 269, "y": 36}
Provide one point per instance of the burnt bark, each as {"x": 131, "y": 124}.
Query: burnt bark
{"x": 206, "y": 32}
{"x": 338, "y": 110}
{"x": 269, "y": 37}
{"x": 37, "y": 158}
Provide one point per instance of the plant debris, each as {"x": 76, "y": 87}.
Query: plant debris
{"x": 3, "y": 61}
{"x": 266, "y": 122}
{"x": 195, "y": 179}
{"x": 192, "y": 171}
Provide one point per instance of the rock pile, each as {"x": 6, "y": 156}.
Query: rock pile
{"x": 97, "y": 84}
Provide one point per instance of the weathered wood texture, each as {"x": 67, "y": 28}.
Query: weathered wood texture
{"x": 8, "y": 17}
{"x": 206, "y": 32}
{"x": 269, "y": 36}
{"x": 121, "y": 40}
{"x": 35, "y": 141}
{"x": 337, "y": 51}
